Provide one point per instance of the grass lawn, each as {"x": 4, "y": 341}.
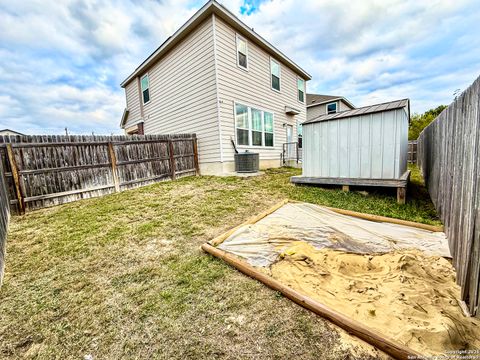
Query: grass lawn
{"x": 122, "y": 276}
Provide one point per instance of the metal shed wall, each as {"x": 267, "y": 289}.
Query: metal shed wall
{"x": 372, "y": 146}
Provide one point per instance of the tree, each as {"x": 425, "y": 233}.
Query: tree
{"x": 419, "y": 122}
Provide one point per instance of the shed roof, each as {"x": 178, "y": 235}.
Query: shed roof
{"x": 392, "y": 105}
{"x": 212, "y": 7}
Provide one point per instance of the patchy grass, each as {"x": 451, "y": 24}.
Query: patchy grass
{"x": 122, "y": 276}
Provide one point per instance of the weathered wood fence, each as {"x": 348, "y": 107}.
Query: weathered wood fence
{"x": 412, "y": 151}
{"x": 449, "y": 157}
{"x": 42, "y": 171}
{"x": 4, "y": 219}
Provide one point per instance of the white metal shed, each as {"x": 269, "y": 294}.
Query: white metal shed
{"x": 365, "y": 146}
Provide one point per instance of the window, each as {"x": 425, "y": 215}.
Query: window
{"x": 242, "y": 53}
{"x": 242, "y": 123}
{"x": 275, "y": 74}
{"x": 254, "y": 127}
{"x": 332, "y": 108}
{"x": 145, "y": 85}
{"x": 268, "y": 119}
{"x": 257, "y": 127}
{"x": 301, "y": 90}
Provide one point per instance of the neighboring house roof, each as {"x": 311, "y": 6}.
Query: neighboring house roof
{"x": 124, "y": 117}
{"x": 212, "y": 7}
{"x": 10, "y": 131}
{"x": 392, "y": 105}
{"x": 317, "y": 99}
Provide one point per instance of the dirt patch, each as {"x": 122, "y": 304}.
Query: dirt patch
{"x": 406, "y": 295}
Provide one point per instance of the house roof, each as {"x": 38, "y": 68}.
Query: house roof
{"x": 392, "y": 105}
{"x": 212, "y": 7}
{"x": 318, "y": 99}
{"x": 124, "y": 119}
{"x": 11, "y": 131}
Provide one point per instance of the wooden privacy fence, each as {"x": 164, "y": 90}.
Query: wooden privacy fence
{"x": 4, "y": 218}
{"x": 449, "y": 157}
{"x": 412, "y": 151}
{"x": 42, "y": 171}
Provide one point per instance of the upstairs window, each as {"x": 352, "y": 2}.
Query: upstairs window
{"x": 275, "y": 74}
{"x": 301, "y": 90}
{"x": 145, "y": 85}
{"x": 332, "y": 108}
{"x": 242, "y": 53}
{"x": 254, "y": 127}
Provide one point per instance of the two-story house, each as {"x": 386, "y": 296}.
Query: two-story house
{"x": 218, "y": 78}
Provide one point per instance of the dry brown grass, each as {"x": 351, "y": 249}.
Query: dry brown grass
{"x": 123, "y": 277}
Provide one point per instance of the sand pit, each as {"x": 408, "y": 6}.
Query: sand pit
{"x": 406, "y": 295}
{"x": 394, "y": 279}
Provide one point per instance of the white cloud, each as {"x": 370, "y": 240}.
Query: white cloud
{"x": 62, "y": 62}
{"x": 378, "y": 50}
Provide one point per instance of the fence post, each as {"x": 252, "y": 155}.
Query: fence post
{"x": 195, "y": 156}
{"x": 113, "y": 161}
{"x": 16, "y": 178}
{"x": 172, "y": 159}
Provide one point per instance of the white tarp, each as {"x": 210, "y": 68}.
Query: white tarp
{"x": 261, "y": 243}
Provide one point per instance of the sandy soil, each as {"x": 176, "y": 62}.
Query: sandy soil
{"x": 406, "y": 295}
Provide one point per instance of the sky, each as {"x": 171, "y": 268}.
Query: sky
{"x": 62, "y": 62}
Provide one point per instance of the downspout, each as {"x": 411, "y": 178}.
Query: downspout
{"x": 216, "y": 86}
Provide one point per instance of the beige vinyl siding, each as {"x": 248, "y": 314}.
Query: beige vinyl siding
{"x": 316, "y": 111}
{"x": 183, "y": 93}
{"x": 133, "y": 103}
{"x": 253, "y": 88}
{"x": 344, "y": 106}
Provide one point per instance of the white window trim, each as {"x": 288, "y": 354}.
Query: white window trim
{"x": 280, "y": 74}
{"x": 141, "y": 91}
{"x": 239, "y": 37}
{"x": 336, "y": 107}
{"x": 304, "y": 91}
{"x": 249, "y": 111}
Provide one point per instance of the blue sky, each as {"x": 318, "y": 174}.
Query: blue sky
{"x": 61, "y": 62}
